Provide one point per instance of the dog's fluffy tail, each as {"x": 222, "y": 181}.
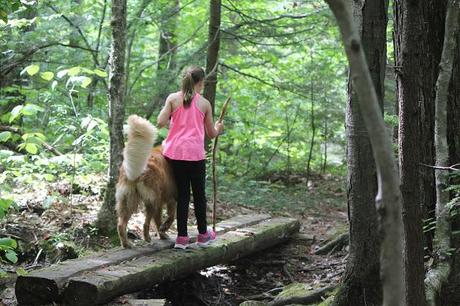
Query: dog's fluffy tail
{"x": 141, "y": 137}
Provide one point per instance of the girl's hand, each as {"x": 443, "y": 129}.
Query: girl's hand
{"x": 219, "y": 126}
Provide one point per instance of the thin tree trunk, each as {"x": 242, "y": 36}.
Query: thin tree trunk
{"x": 106, "y": 219}
{"x": 361, "y": 283}
{"x": 439, "y": 275}
{"x": 388, "y": 200}
{"x": 213, "y": 52}
{"x": 408, "y": 60}
{"x": 324, "y": 165}
{"x": 313, "y": 131}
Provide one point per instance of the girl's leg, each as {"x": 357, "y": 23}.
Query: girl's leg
{"x": 198, "y": 177}
{"x": 183, "y": 195}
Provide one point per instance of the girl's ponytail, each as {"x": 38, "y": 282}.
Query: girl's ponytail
{"x": 187, "y": 88}
{"x": 192, "y": 76}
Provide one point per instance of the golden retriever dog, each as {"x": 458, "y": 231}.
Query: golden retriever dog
{"x": 145, "y": 177}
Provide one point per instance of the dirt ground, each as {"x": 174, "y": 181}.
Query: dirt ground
{"x": 55, "y": 224}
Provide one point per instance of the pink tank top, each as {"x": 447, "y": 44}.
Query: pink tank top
{"x": 185, "y": 139}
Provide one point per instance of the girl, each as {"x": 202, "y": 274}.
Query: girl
{"x": 191, "y": 115}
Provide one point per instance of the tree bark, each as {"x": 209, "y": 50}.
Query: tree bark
{"x": 439, "y": 275}
{"x": 361, "y": 283}
{"x": 106, "y": 219}
{"x": 213, "y": 52}
{"x": 388, "y": 199}
{"x": 414, "y": 108}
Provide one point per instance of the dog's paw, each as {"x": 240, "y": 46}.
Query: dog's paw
{"x": 163, "y": 235}
{"x": 127, "y": 245}
{"x": 147, "y": 238}
{"x": 164, "y": 227}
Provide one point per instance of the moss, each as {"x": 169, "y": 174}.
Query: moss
{"x": 253, "y": 303}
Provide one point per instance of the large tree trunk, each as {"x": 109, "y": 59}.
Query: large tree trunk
{"x": 450, "y": 295}
{"x": 213, "y": 52}
{"x": 388, "y": 200}
{"x": 433, "y": 14}
{"x": 409, "y": 58}
{"x": 361, "y": 283}
{"x": 439, "y": 275}
{"x": 453, "y": 110}
{"x": 166, "y": 67}
{"x": 106, "y": 219}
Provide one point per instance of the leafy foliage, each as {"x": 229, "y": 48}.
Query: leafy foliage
{"x": 7, "y": 245}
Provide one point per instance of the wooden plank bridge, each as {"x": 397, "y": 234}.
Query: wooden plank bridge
{"x": 99, "y": 278}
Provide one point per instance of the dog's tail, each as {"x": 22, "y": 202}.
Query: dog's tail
{"x": 141, "y": 137}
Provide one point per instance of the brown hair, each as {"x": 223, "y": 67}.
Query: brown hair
{"x": 192, "y": 76}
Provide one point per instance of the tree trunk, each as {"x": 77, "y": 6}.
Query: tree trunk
{"x": 409, "y": 58}
{"x": 388, "y": 199}
{"x": 106, "y": 219}
{"x": 450, "y": 295}
{"x": 166, "y": 67}
{"x": 213, "y": 52}
{"x": 432, "y": 31}
{"x": 453, "y": 110}
{"x": 313, "y": 131}
{"x": 439, "y": 275}
{"x": 361, "y": 283}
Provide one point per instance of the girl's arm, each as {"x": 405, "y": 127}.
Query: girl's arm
{"x": 212, "y": 130}
{"x": 165, "y": 113}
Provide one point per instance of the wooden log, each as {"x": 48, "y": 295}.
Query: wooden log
{"x": 104, "y": 284}
{"x": 46, "y": 285}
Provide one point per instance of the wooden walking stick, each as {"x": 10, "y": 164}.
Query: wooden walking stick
{"x": 213, "y": 164}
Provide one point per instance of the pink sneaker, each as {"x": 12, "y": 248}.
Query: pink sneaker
{"x": 205, "y": 239}
{"x": 182, "y": 242}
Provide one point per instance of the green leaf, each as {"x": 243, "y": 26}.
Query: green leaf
{"x": 49, "y": 177}
{"x": 8, "y": 242}
{"x": 5, "y": 203}
{"x": 62, "y": 73}
{"x": 4, "y": 136}
{"x": 31, "y": 148}
{"x": 53, "y": 85}
{"x": 21, "y": 272}
{"x": 15, "y": 113}
{"x": 74, "y": 71}
{"x": 31, "y": 69}
{"x": 48, "y": 75}
{"x": 11, "y": 256}
{"x": 100, "y": 73}
{"x": 3, "y": 16}
{"x": 31, "y": 109}
{"x": 85, "y": 82}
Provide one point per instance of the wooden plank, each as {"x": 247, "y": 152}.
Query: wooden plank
{"x": 104, "y": 284}
{"x": 46, "y": 285}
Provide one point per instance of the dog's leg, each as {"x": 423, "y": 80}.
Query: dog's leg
{"x": 171, "y": 211}
{"x": 122, "y": 224}
{"x": 148, "y": 217}
{"x": 157, "y": 220}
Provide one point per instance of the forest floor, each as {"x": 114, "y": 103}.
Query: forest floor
{"x": 56, "y": 224}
